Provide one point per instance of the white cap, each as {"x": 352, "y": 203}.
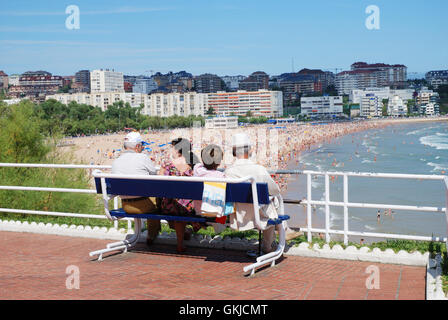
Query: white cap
{"x": 240, "y": 140}
{"x": 133, "y": 137}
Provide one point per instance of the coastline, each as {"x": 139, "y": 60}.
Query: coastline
{"x": 297, "y": 184}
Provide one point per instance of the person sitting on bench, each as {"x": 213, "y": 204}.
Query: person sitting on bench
{"x": 211, "y": 157}
{"x": 244, "y": 218}
{"x": 133, "y": 161}
{"x": 181, "y": 164}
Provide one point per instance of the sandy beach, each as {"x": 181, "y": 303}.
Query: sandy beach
{"x": 283, "y": 145}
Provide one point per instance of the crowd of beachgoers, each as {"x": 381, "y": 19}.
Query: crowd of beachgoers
{"x": 274, "y": 147}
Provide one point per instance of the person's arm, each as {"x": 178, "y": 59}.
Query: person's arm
{"x": 273, "y": 187}
{"x": 149, "y": 166}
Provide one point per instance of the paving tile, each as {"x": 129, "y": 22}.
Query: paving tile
{"x": 34, "y": 266}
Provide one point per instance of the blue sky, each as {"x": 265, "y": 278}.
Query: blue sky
{"x": 223, "y": 37}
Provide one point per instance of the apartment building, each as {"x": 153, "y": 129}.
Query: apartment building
{"x": 258, "y": 103}
{"x": 3, "y": 80}
{"x": 36, "y": 85}
{"x": 233, "y": 82}
{"x": 363, "y": 75}
{"x": 207, "y": 83}
{"x": 82, "y": 80}
{"x": 221, "y": 123}
{"x": 356, "y": 95}
{"x": 106, "y": 81}
{"x": 371, "y": 106}
{"x": 426, "y": 96}
{"x": 320, "y": 106}
{"x": 437, "y": 78}
{"x": 102, "y": 99}
{"x": 256, "y": 81}
{"x": 397, "y": 107}
{"x": 181, "y": 104}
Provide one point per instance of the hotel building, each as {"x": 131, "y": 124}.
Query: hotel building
{"x": 101, "y": 99}
{"x": 221, "y": 123}
{"x": 319, "y": 106}
{"x": 106, "y": 81}
{"x": 258, "y": 103}
{"x": 180, "y": 104}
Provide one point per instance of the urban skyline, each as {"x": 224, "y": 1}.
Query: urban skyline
{"x": 224, "y": 39}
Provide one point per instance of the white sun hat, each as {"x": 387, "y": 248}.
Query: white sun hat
{"x": 133, "y": 137}
{"x": 240, "y": 140}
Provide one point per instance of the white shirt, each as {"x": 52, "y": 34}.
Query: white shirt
{"x": 133, "y": 163}
{"x": 244, "y": 217}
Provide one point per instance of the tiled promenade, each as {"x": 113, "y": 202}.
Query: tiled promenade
{"x": 34, "y": 266}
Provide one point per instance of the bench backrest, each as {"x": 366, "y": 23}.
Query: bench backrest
{"x": 235, "y": 192}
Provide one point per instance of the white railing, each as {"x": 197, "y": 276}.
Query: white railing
{"x": 346, "y": 204}
{"x": 309, "y": 202}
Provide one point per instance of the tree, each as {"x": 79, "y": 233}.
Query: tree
{"x": 210, "y": 111}
{"x": 384, "y": 110}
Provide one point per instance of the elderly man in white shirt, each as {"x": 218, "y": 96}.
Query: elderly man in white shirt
{"x": 133, "y": 162}
{"x": 244, "y": 218}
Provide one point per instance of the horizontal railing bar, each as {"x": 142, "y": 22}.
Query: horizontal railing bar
{"x": 377, "y": 235}
{"x": 53, "y": 213}
{"x": 90, "y": 191}
{"x": 55, "y": 166}
{"x": 377, "y": 206}
{"x": 362, "y": 174}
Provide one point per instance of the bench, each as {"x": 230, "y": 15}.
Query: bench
{"x": 243, "y": 190}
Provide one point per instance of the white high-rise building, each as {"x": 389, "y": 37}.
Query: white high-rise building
{"x": 382, "y": 93}
{"x": 144, "y": 85}
{"x": 102, "y": 99}
{"x": 371, "y": 106}
{"x": 319, "y": 106}
{"x": 258, "y": 103}
{"x": 397, "y": 107}
{"x": 181, "y": 104}
{"x": 106, "y": 81}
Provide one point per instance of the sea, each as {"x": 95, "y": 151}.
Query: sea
{"x": 413, "y": 148}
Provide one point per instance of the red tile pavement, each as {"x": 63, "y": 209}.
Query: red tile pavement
{"x": 34, "y": 266}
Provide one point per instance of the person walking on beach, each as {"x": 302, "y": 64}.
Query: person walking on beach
{"x": 378, "y": 216}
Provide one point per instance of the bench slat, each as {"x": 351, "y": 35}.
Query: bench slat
{"x": 120, "y": 213}
{"x": 235, "y": 192}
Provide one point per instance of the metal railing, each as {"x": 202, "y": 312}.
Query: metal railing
{"x": 309, "y": 202}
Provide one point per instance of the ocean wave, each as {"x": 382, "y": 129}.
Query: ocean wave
{"x": 435, "y": 141}
{"x": 437, "y": 166}
{"x": 416, "y": 132}
{"x": 366, "y": 161}
{"x": 369, "y": 227}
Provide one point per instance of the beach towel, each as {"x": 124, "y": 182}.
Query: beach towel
{"x": 214, "y": 200}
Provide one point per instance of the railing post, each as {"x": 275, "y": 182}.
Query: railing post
{"x": 345, "y": 209}
{"x": 115, "y": 208}
{"x": 327, "y": 208}
{"x": 446, "y": 209}
{"x": 308, "y": 212}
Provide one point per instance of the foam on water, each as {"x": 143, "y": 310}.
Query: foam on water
{"x": 437, "y": 166}
{"x": 436, "y": 141}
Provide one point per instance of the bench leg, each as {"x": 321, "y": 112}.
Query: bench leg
{"x": 123, "y": 245}
{"x": 270, "y": 258}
